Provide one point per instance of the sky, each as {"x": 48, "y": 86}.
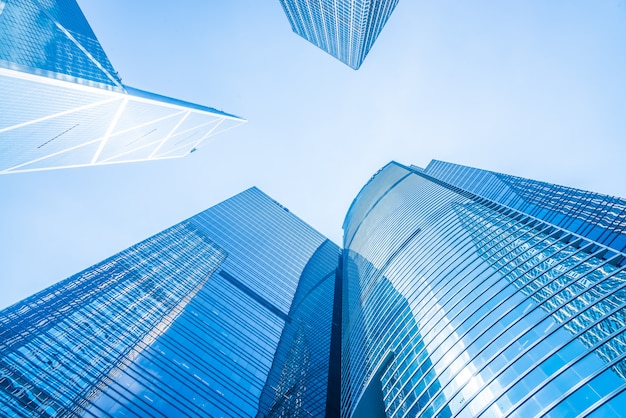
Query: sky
{"x": 526, "y": 87}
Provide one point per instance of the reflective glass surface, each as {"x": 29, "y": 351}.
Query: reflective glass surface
{"x": 63, "y": 347}
{"x": 297, "y": 385}
{"x": 50, "y": 124}
{"x": 346, "y": 29}
{"x": 186, "y": 323}
{"x": 63, "y": 105}
{"x": 53, "y": 38}
{"x": 462, "y": 306}
{"x": 598, "y": 217}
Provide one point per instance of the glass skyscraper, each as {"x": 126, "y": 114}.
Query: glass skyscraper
{"x": 64, "y": 105}
{"x": 459, "y": 292}
{"x": 299, "y": 383}
{"x": 469, "y": 293}
{"x": 189, "y": 322}
{"x": 346, "y": 29}
{"x": 597, "y": 217}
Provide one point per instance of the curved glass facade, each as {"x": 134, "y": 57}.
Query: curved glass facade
{"x": 456, "y": 305}
{"x": 297, "y": 385}
{"x": 443, "y": 303}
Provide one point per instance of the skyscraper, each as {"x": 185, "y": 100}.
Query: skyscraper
{"x": 459, "y": 292}
{"x": 299, "y": 384}
{"x": 346, "y": 29}
{"x": 469, "y": 293}
{"x": 64, "y": 105}
{"x": 597, "y": 217}
{"x": 185, "y": 323}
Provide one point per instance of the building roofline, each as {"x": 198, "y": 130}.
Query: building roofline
{"x": 158, "y": 97}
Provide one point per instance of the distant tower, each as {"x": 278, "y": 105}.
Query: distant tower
{"x": 63, "y": 104}
{"x": 346, "y": 29}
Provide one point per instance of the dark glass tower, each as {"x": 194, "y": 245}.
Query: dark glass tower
{"x": 346, "y": 29}
{"x": 185, "y": 323}
{"x": 470, "y": 293}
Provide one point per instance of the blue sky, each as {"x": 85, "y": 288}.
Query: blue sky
{"x": 530, "y": 88}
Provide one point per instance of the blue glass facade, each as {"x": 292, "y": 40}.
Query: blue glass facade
{"x": 297, "y": 385}
{"x": 458, "y": 305}
{"x": 445, "y": 301}
{"x": 185, "y": 323}
{"x": 595, "y": 216}
{"x": 62, "y": 346}
{"x": 346, "y": 29}
{"x": 53, "y": 38}
{"x": 63, "y": 104}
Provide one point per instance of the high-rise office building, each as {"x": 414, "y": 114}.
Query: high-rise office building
{"x": 189, "y": 322}
{"x": 64, "y": 105}
{"x": 346, "y": 29}
{"x": 459, "y": 292}
{"x": 299, "y": 383}
{"x": 469, "y": 293}
{"x": 595, "y": 216}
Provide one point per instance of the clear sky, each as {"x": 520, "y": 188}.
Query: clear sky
{"x": 528, "y": 87}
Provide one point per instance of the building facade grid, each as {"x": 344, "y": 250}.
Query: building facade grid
{"x": 508, "y": 310}
{"x": 64, "y": 106}
{"x": 444, "y": 302}
{"x": 345, "y": 29}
